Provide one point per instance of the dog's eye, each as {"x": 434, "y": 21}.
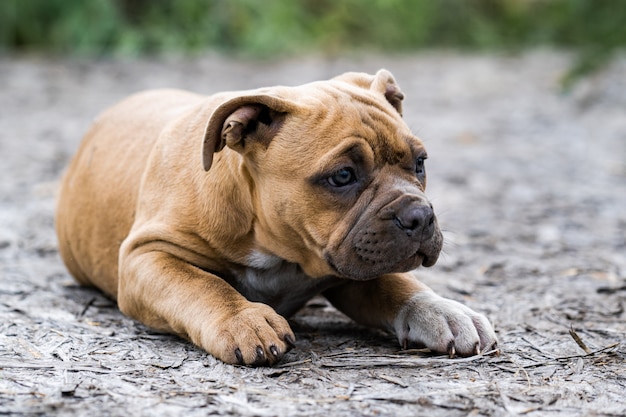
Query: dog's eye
{"x": 343, "y": 177}
{"x": 420, "y": 169}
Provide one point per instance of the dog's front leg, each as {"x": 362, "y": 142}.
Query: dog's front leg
{"x": 170, "y": 294}
{"x": 417, "y": 315}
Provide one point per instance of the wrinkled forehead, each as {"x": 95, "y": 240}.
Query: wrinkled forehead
{"x": 345, "y": 111}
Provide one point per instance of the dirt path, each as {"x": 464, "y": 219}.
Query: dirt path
{"x": 529, "y": 183}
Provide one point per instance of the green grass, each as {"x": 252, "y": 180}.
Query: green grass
{"x": 261, "y": 28}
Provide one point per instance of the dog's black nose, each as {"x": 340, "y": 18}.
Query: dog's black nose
{"x": 416, "y": 220}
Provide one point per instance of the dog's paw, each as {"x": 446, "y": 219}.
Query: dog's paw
{"x": 443, "y": 326}
{"x": 255, "y": 336}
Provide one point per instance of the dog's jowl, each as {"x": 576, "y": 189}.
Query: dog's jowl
{"x": 215, "y": 217}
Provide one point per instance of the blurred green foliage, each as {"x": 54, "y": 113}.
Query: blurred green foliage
{"x": 270, "y": 27}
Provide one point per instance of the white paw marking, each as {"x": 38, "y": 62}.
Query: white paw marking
{"x": 443, "y": 325}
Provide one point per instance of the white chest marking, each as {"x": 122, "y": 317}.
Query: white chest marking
{"x": 278, "y": 283}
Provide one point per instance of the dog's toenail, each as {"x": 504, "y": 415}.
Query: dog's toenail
{"x": 290, "y": 342}
{"x": 451, "y": 350}
{"x": 260, "y": 354}
{"x": 274, "y": 351}
{"x": 239, "y": 356}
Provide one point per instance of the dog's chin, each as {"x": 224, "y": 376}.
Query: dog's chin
{"x": 353, "y": 269}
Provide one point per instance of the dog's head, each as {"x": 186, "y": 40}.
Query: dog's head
{"x": 337, "y": 178}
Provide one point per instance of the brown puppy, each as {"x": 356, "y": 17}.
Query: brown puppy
{"x": 214, "y": 217}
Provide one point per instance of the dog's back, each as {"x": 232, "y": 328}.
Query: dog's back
{"x": 103, "y": 180}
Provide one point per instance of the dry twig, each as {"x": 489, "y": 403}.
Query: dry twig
{"x": 579, "y": 341}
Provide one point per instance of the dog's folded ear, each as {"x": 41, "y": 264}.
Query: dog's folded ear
{"x": 242, "y": 120}
{"x": 382, "y": 82}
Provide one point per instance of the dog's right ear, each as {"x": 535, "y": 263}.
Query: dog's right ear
{"x": 242, "y": 120}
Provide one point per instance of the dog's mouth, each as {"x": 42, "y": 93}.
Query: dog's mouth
{"x": 428, "y": 260}
{"x": 362, "y": 268}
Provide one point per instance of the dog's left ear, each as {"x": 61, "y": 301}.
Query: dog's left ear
{"x": 382, "y": 82}
{"x": 386, "y": 84}
{"x": 238, "y": 122}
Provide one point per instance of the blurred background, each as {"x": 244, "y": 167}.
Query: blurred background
{"x": 593, "y": 29}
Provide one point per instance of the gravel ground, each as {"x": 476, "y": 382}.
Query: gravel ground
{"x": 529, "y": 183}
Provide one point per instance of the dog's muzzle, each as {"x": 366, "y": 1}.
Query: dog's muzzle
{"x": 399, "y": 237}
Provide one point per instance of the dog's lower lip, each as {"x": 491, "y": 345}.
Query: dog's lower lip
{"x": 427, "y": 260}
{"x": 341, "y": 274}
{"x": 423, "y": 256}
{"x": 329, "y": 261}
